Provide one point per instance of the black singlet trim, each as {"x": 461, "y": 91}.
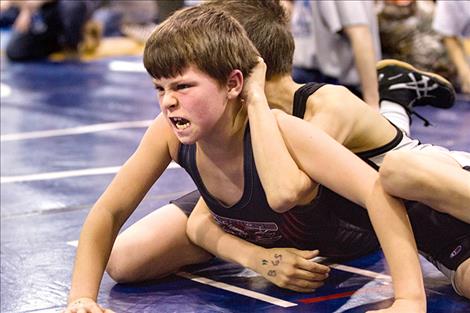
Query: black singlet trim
{"x": 300, "y": 98}
{"x": 382, "y": 149}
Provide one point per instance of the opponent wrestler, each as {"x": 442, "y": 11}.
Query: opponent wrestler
{"x": 422, "y": 168}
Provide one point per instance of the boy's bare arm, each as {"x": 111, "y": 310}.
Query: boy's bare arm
{"x": 285, "y": 267}
{"x": 113, "y": 208}
{"x": 332, "y": 165}
{"x": 284, "y": 183}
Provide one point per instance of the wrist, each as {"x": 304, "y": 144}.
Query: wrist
{"x": 255, "y": 96}
{"x": 78, "y": 300}
{"x": 412, "y": 292}
{"x": 251, "y": 258}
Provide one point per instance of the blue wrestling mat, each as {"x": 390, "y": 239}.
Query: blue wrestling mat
{"x": 65, "y": 130}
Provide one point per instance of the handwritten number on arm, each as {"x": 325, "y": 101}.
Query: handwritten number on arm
{"x": 278, "y": 258}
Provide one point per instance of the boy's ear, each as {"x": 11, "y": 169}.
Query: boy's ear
{"x": 234, "y": 84}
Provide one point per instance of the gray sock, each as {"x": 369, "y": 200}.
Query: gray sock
{"x": 396, "y": 114}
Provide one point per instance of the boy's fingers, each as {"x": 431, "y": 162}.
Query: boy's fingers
{"x": 313, "y": 266}
{"x": 311, "y": 276}
{"x": 303, "y": 286}
{"x": 96, "y": 309}
{"x": 306, "y": 254}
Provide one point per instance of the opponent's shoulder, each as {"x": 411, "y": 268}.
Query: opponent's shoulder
{"x": 336, "y": 98}
{"x": 329, "y": 96}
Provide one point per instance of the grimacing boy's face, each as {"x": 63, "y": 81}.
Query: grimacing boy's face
{"x": 192, "y": 103}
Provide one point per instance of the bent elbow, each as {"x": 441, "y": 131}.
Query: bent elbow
{"x": 281, "y": 203}
{"x": 291, "y": 195}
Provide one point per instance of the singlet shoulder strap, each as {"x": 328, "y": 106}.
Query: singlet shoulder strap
{"x": 301, "y": 96}
{"x": 186, "y": 156}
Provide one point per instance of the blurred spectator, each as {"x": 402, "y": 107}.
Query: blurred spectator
{"x": 346, "y": 43}
{"x": 42, "y": 27}
{"x": 134, "y": 19}
{"x": 406, "y": 34}
{"x": 305, "y": 65}
{"x": 452, "y": 20}
{"x": 125, "y": 19}
{"x": 117, "y": 15}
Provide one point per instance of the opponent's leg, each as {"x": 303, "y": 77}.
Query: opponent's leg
{"x": 153, "y": 247}
{"x": 433, "y": 178}
{"x": 444, "y": 241}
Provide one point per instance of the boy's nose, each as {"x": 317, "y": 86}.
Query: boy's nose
{"x": 168, "y": 101}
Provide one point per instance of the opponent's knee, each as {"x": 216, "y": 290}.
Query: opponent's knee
{"x": 393, "y": 171}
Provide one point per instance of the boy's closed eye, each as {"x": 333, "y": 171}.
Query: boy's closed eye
{"x": 158, "y": 88}
{"x": 177, "y": 87}
{"x": 183, "y": 86}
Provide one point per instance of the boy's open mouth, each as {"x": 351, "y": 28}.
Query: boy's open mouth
{"x": 180, "y": 122}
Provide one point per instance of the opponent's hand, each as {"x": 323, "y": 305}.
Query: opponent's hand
{"x": 404, "y": 305}
{"x": 291, "y": 269}
{"x": 254, "y": 84}
{"x": 85, "y": 305}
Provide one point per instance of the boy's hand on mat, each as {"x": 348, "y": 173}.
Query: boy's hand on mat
{"x": 404, "y": 305}
{"x": 85, "y": 305}
{"x": 291, "y": 269}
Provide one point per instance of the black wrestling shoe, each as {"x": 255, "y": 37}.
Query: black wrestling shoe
{"x": 400, "y": 82}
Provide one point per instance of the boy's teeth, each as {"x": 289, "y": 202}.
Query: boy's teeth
{"x": 182, "y": 126}
{"x": 181, "y": 123}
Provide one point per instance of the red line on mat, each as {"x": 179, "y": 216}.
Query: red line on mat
{"x": 329, "y": 297}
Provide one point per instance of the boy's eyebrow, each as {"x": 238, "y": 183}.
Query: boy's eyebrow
{"x": 173, "y": 83}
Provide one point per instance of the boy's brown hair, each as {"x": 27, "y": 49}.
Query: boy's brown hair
{"x": 267, "y": 25}
{"x": 208, "y": 38}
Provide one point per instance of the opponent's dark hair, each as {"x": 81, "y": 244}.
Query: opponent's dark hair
{"x": 267, "y": 25}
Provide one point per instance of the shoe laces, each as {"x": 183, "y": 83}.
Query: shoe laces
{"x": 421, "y": 88}
{"x": 425, "y": 121}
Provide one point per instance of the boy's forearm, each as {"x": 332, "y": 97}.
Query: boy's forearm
{"x": 204, "y": 232}
{"x": 338, "y": 169}
{"x": 278, "y": 265}
{"x": 96, "y": 240}
{"x": 393, "y": 228}
{"x": 282, "y": 180}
